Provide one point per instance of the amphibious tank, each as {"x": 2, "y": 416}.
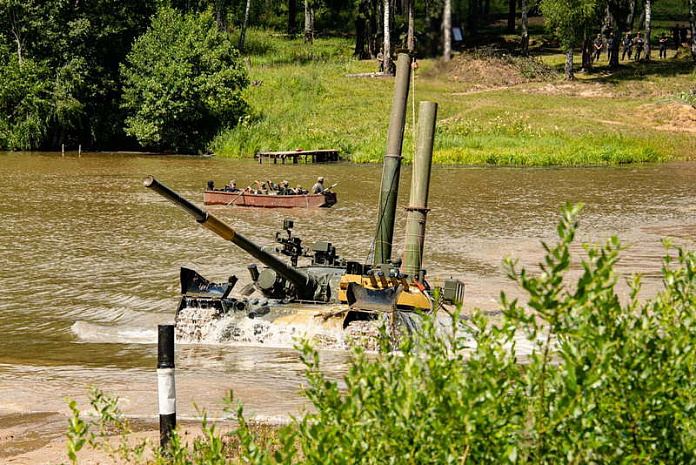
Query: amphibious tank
{"x": 310, "y": 288}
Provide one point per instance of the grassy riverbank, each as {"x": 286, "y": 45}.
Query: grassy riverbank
{"x": 301, "y": 98}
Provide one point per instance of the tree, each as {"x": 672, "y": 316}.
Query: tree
{"x": 387, "y": 38}
{"x": 648, "y": 28}
{"x": 245, "y": 23}
{"x": 524, "y": 39}
{"x": 182, "y": 83}
{"x": 25, "y": 102}
{"x": 309, "y": 21}
{"x": 410, "y": 40}
{"x": 79, "y": 45}
{"x": 447, "y": 31}
{"x": 292, "y": 16}
{"x": 619, "y": 11}
{"x": 570, "y": 20}
{"x": 692, "y": 24}
{"x": 512, "y": 12}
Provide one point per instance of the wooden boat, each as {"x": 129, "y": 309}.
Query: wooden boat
{"x": 246, "y": 199}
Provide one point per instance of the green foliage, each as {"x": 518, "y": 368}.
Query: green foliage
{"x": 570, "y": 19}
{"x": 106, "y": 421}
{"x": 77, "y": 47}
{"x": 25, "y": 103}
{"x": 182, "y": 83}
{"x": 688, "y": 97}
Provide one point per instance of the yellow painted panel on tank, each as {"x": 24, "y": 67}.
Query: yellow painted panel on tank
{"x": 411, "y": 296}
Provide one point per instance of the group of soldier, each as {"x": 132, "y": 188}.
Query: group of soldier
{"x": 633, "y": 46}
{"x": 271, "y": 188}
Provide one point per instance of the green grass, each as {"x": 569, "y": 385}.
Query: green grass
{"x": 303, "y": 99}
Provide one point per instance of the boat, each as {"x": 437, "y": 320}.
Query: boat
{"x": 247, "y": 199}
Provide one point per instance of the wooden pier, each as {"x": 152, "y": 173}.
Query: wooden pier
{"x": 310, "y": 156}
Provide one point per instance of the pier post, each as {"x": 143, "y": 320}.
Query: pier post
{"x": 165, "y": 382}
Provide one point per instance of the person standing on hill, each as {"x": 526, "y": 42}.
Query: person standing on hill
{"x": 627, "y": 44}
{"x": 683, "y": 33}
{"x": 598, "y": 43}
{"x": 663, "y": 45}
{"x": 639, "y": 43}
{"x": 610, "y": 46}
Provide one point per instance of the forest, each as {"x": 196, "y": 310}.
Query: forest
{"x": 170, "y": 75}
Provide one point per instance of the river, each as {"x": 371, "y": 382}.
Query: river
{"x": 90, "y": 261}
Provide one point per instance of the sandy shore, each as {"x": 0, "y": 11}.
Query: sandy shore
{"x": 39, "y": 438}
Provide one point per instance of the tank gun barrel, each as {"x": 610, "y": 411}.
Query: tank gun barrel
{"x": 303, "y": 283}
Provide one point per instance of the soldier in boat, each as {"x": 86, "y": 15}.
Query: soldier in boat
{"x": 231, "y": 187}
{"x": 318, "y": 186}
{"x": 284, "y": 188}
{"x": 261, "y": 188}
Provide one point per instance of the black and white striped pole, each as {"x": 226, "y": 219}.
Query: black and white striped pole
{"x": 165, "y": 382}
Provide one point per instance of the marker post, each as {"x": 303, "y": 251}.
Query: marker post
{"x": 165, "y": 382}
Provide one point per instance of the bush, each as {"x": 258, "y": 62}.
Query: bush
{"x": 182, "y": 83}
{"x": 606, "y": 381}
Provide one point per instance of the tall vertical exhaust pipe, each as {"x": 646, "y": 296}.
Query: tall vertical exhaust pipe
{"x": 417, "y": 210}
{"x": 389, "y": 189}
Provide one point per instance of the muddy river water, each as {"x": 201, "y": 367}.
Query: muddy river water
{"x": 89, "y": 263}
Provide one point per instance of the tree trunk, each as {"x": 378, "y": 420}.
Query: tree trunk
{"x": 447, "y": 31}
{"x": 487, "y": 8}
{"x": 387, "y": 38}
{"x": 524, "y": 43}
{"x": 308, "y": 21}
{"x": 19, "y": 51}
{"x": 569, "y": 73}
{"x": 631, "y": 14}
{"x": 587, "y": 49}
{"x": 242, "y": 36}
{"x": 411, "y": 41}
{"x": 472, "y": 18}
{"x": 361, "y": 32}
{"x": 648, "y": 28}
{"x": 618, "y": 27}
{"x": 692, "y": 23}
{"x": 641, "y": 20}
{"x": 292, "y": 16}
{"x": 512, "y": 12}
{"x": 220, "y": 15}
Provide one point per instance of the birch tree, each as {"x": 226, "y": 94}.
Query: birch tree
{"x": 692, "y": 23}
{"x": 648, "y": 27}
{"x": 245, "y": 23}
{"x": 387, "y": 38}
{"x": 447, "y": 31}
{"x": 309, "y": 21}
{"x": 524, "y": 42}
{"x": 410, "y": 41}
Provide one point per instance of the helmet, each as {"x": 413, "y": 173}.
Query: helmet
{"x": 320, "y": 179}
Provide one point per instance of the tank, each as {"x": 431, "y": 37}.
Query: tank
{"x": 298, "y": 287}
